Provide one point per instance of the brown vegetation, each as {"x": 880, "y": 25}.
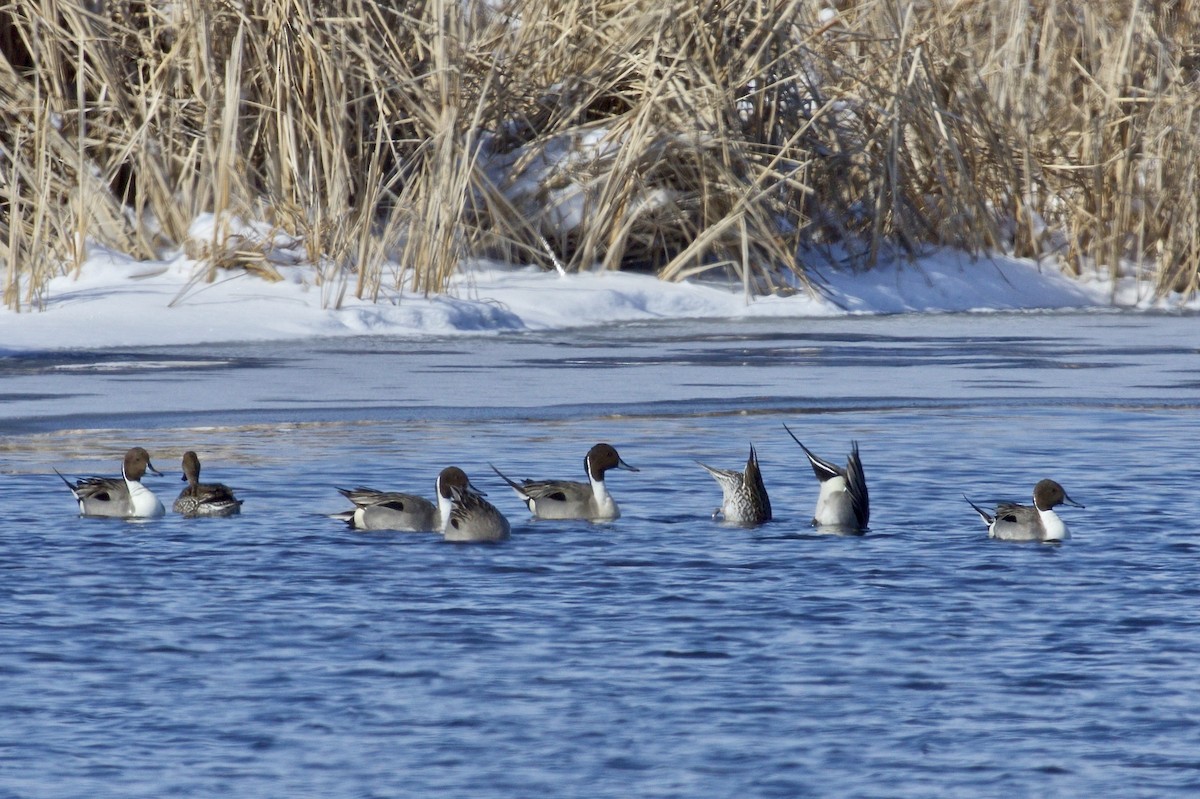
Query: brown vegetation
{"x": 396, "y": 139}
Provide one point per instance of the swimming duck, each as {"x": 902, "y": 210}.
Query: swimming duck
{"x": 473, "y": 518}
{"x": 744, "y": 497}
{"x": 844, "y": 502}
{"x": 204, "y": 499}
{"x": 564, "y": 499}
{"x": 391, "y": 510}
{"x": 1014, "y": 522}
{"x": 122, "y": 497}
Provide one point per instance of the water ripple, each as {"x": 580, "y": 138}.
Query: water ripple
{"x": 662, "y": 655}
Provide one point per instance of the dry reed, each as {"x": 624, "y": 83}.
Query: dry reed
{"x": 395, "y": 140}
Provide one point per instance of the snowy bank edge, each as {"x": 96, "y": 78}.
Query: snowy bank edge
{"x": 115, "y": 301}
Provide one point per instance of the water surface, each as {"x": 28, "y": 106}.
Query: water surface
{"x": 662, "y": 655}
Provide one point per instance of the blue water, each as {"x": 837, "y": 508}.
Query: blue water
{"x": 277, "y": 654}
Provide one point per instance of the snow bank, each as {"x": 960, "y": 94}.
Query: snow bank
{"x": 118, "y": 302}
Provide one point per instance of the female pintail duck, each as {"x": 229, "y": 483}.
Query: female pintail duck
{"x": 204, "y": 499}
{"x": 563, "y": 499}
{"x": 744, "y": 497}
{"x": 391, "y": 510}
{"x": 123, "y": 497}
{"x": 473, "y": 518}
{"x": 1013, "y": 522}
{"x": 844, "y": 502}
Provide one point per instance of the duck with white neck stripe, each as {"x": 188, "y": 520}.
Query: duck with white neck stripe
{"x": 1014, "y": 522}
{"x": 393, "y": 510}
{"x": 121, "y": 497}
{"x": 566, "y": 499}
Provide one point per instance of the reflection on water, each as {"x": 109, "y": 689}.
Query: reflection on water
{"x": 664, "y": 654}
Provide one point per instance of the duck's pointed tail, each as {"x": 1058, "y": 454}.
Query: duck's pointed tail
{"x": 69, "y": 484}
{"x": 513, "y": 484}
{"x": 987, "y": 517}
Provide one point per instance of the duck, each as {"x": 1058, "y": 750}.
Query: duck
{"x": 565, "y": 499}
{"x": 203, "y": 499}
{"x": 473, "y": 518}
{"x": 121, "y": 497}
{"x": 844, "y": 503}
{"x": 744, "y": 497}
{"x": 392, "y": 510}
{"x": 1015, "y": 522}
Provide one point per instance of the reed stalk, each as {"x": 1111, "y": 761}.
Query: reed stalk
{"x": 394, "y": 142}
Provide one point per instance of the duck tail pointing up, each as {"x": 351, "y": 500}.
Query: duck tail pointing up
{"x": 823, "y": 469}
{"x": 65, "y": 480}
{"x": 512, "y": 483}
{"x": 987, "y": 517}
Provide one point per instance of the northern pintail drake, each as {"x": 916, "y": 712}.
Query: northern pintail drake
{"x": 391, "y": 510}
{"x": 564, "y": 499}
{"x": 844, "y": 502}
{"x": 473, "y": 518}
{"x": 122, "y": 497}
{"x": 1013, "y": 522}
{"x": 744, "y": 497}
{"x": 204, "y": 499}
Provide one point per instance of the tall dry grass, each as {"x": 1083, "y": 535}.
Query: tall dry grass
{"x": 394, "y": 140}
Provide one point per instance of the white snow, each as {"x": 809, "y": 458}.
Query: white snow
{"x": 116, "y": 301}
